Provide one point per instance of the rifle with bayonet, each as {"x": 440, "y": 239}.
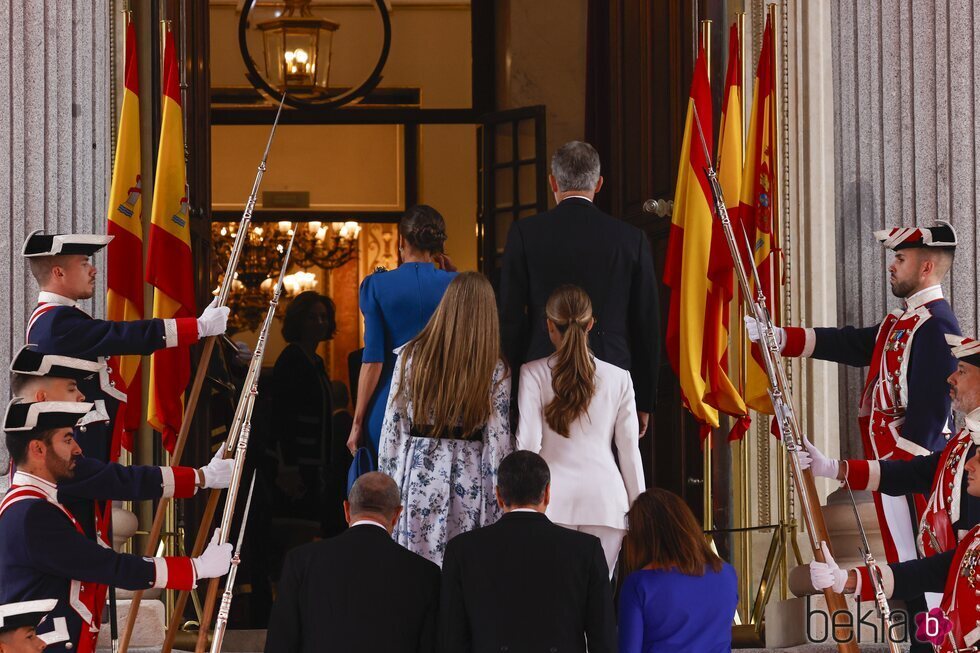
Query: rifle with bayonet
{"x": 789, "y": 427}
{"x": 190, "y": 405}
{"x": 237, "y": 441}
{"x": 221, "y": 624}
{"x": 874, "y": 573}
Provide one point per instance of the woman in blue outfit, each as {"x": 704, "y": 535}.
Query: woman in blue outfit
{"x": 679, "y": 596}
{"x": 396, "y": 306}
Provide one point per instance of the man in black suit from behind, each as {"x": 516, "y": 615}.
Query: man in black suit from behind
{"x": 577, "y": 243}
{"x": 525, "y": 584}
{"x": 359, "y": 592}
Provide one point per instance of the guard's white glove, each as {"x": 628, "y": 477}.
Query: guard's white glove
{"x": 217, "y": 473}
{"x": 752, "y": 331}
{"x": 819, "y": 463}
{"x": 827, "y": 574}
{"x": 213, "y": 321}
{"x": 216, "y": 559}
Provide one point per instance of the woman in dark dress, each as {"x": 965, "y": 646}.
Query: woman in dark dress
{"x": 301, "y": 406}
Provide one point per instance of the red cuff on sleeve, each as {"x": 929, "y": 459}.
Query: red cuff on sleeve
{"x": 795, "y": 341}
{"x": 185, "y": 482}
{"x": 180, "y": 573}
{"x": 865, "y": 586}
{"x": 858, "y": 473}
{"x": 186, "y": 331}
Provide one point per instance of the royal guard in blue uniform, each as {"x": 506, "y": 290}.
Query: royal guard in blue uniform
{"x": 904, "y": 408}
{"x": 19, "y": 623}
{"x": 955, "y": 573}
{"x": 44, "y": 552}
{"x": 62, "y": 266}
{"x": 950, "y": 511}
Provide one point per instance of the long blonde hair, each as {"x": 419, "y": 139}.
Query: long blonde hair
{"x": 573, "y": 369}
{"x": 454, "y": 358}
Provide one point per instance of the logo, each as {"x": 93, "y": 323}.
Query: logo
{"x": 128, "y": 207}
{"x": 932, "y": 626}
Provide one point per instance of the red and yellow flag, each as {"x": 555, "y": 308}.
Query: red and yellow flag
{"x": 688, "y": 252}
{"x": 758, "y": 208}
{"x": 169, "y": 266}
{"x": 721, "y": 393}
{"x": 124, "y": 254}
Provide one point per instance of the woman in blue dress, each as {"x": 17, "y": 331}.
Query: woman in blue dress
{"x": 396, "y": 306}
{"x": 679, "y": 596}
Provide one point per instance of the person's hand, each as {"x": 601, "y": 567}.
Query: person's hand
{"x": 828, "y": 573}
{"x": 752, "y": 331}
{"x": 213, "y": 321}
{"x": 217, "y": 473}
{"x": 818, "y": 462}
{"x": 216, "y": 559}
{"x": 354, "y": 440}
{"x": 444, "y": 262}
{"x": 644, "y": 419}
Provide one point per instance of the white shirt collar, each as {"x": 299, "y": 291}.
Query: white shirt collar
{"x": 24, "y": 479}
{"x": 580, "y": 197}
{"x": 923, "y": 297}
{"x": 45, "y": 297}
{"x": 371, "y": 522}
{"x": 972, "y": 424}
{"x": 524, "y": 510}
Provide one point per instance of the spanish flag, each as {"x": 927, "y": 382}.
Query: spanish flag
{"x": 688, "y": 251}
{"x": 721, "y": 393}
{"x": 124, "y": 254}
{"x": 758, "y": 208}
{"x": 169, "y": 266}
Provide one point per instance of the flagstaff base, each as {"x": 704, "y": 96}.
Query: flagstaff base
{"x": 148, "y": 631}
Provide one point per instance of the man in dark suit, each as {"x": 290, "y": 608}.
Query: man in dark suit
{"x": 359, "y": 591}
{"x": 577, "y": 243}
{"x": 524, "y": 583}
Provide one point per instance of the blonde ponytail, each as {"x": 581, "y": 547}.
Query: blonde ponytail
{"x": 573, "y": 368}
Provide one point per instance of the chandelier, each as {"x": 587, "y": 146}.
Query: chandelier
{"x": 317, "y": 244}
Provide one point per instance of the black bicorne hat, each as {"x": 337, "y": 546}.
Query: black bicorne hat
{"x": 25, "y": 613}
{"x": 37, "y": 416}
{"x": 42, "y": 244}
{"x": 30, "y": 361}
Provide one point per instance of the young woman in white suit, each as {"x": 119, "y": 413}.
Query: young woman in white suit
{"x": 573, "y": 407}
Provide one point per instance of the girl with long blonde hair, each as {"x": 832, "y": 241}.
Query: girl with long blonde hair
{"x": 446, "y": 426}
{"x": 573, "y": 407}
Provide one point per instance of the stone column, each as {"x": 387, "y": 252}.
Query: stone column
{"x": 55, "y": 137}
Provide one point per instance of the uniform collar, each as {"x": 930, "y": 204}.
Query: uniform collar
{"x": 923, "y": 297}
{"x": 23, "y": 479}
{"x": 45, "y": 297}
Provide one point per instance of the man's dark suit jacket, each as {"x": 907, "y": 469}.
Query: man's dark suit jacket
{"x": 525, "y": 584}
{"x": 357, "y": 592}
{"x": 577, "y": 243}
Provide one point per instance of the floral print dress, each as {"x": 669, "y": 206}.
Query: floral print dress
{"x": 447, "y": 486}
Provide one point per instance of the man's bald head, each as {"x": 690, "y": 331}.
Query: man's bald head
{"x": 374, "y": 493}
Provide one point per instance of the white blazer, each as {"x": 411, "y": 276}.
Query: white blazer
{"x": 586, "y": 487}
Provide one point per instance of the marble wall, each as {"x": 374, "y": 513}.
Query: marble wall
{"x": 906, "y": 127}
{"x": 55, "y": 137}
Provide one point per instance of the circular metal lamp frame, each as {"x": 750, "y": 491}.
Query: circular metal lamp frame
{"x": 347, "y": 97}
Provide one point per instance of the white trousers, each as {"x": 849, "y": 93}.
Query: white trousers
{"x": 610, "y": 538}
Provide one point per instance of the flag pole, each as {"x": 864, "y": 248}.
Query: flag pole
{"x": 707, "y": 508}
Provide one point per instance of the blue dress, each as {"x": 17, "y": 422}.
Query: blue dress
{"x": 396, "y": 306}
{"x": 662, "y": 610}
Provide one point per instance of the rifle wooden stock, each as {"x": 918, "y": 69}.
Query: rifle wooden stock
{"x": 180, "y": 602}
